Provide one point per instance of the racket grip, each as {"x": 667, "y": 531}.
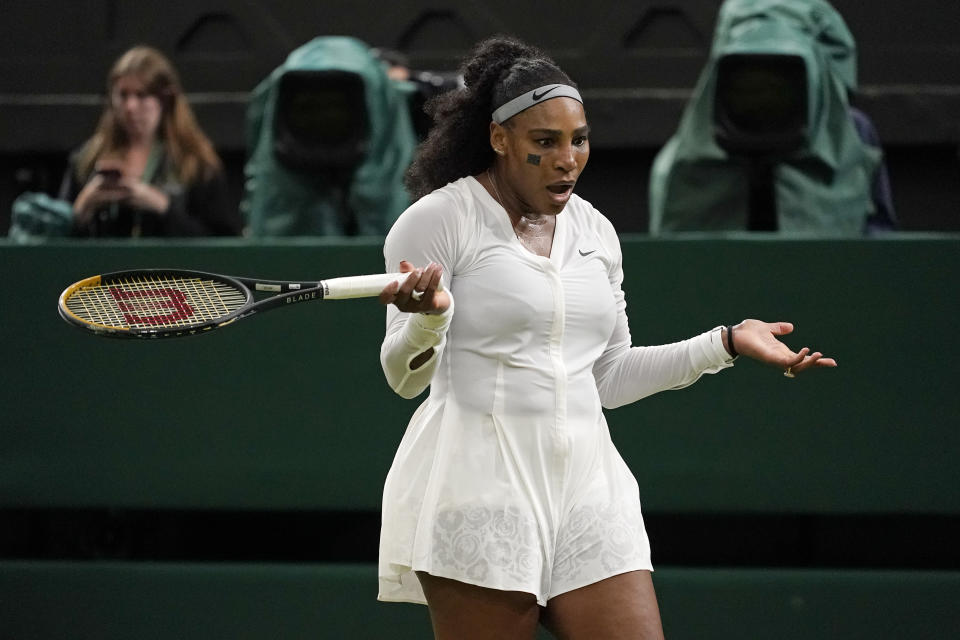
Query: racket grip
{"x": 368, "y": 286}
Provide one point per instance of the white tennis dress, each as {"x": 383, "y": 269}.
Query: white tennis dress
{"x": 506, "y": 476}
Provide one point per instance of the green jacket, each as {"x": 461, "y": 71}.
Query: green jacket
{"x": 825, "y": 185}
{"x": 279, "y": 201}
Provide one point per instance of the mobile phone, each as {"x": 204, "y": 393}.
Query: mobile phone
{"x": 110, "y": 175}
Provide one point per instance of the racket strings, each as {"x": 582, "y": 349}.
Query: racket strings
{"x": 155, "y": 301}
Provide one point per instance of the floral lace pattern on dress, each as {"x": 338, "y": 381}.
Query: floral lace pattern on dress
{"x": 597, "y": 542}
{"x": 479, "y": 542}
{"x": 500, "y": 546}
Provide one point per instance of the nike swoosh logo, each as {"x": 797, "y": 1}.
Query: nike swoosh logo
{"x": 586, "y": 253}
{"x": 537, "y": 96}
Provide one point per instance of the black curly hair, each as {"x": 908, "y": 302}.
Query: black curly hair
{"x": 499, "y": 69}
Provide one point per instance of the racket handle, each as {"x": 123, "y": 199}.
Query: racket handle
{"x": 368, "y": 286}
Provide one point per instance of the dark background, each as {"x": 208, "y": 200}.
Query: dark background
{"x": 635, "y": 61}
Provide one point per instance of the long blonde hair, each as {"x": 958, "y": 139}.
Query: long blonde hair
{"x": 192, "y": 155}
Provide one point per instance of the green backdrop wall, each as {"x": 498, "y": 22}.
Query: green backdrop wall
{"x": 289, "y": 410}
{"x": 118, "y": 601}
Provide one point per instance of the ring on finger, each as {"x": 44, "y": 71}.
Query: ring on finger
{"x": 789, "y": 373}
{"x": 416, "y": 295}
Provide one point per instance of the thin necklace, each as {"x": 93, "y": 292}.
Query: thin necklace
{"x": 495, "y": 190}
{"x": 500, "y": 202}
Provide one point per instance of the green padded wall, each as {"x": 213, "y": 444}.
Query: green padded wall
{"x": 289, "y": 410}
{"x": 119, "y": 601}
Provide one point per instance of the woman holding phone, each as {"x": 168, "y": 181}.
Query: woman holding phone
{"x": 148, "y": 169}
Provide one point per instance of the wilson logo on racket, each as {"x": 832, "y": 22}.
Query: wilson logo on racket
{"x": 132, "y": 303}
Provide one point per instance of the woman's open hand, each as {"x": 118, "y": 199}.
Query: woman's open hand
{"x": 758, "y": 340}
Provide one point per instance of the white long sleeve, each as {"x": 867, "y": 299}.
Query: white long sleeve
{"x": 424, "y": 233}
{"x": 409, "y": 335}
{"x": 625, "y": 373}
{"x": 625, "y": 376}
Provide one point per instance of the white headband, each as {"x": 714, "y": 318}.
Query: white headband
{"x": 530, "y": 98}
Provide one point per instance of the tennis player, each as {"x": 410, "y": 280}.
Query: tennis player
{"x": 507, "y": 504}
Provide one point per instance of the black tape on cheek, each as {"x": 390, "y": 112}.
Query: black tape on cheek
{"x": 533, "y": 158}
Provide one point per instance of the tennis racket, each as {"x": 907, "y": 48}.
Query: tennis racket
{"x": 169, "y": 303}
